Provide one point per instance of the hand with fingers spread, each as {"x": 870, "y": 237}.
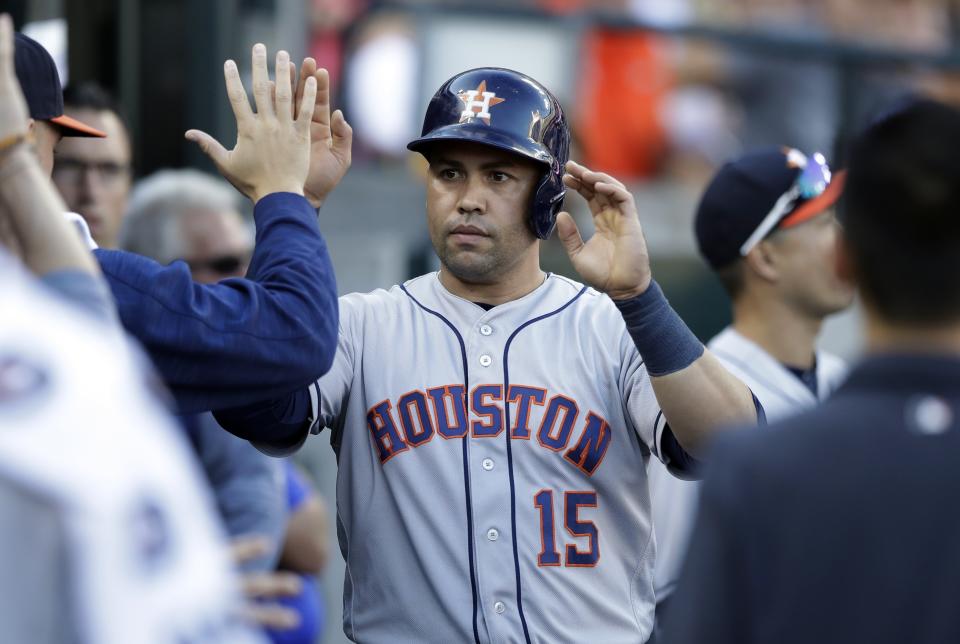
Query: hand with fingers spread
{"x": 272, "y": 153}
{"x": 262, "y": 589}
{"x": 615, "y": 259}
{"x": 331, "y": 137}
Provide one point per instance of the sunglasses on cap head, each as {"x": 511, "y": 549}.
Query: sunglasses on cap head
{"x": 811, "y": 182}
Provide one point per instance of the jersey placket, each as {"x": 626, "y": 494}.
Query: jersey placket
{"x": 490, "y": 481}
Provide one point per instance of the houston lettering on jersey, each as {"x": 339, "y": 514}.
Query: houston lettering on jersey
{"x": 415, "y": 418}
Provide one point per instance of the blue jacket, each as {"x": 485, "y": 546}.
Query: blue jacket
{"x": 837, "y": 525}
{"x": 242, "y": 340}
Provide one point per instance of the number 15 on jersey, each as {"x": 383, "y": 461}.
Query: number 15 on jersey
{"x": 579, "y": 529}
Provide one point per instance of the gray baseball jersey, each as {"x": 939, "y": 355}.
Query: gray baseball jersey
{"x": 780, "y": 392}
{"x": 492, "y": 482}
{"x": 129, "y": 551}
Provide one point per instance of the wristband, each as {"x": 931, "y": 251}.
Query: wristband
{"x": 664, "y": 341}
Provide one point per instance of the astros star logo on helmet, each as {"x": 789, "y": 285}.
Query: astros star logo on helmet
{"x": 477, "y": 103}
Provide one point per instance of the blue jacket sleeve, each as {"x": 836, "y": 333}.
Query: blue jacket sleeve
{"x": 241, "y": 340}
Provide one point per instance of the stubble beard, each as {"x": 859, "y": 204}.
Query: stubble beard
{"x": 485, "y": 267}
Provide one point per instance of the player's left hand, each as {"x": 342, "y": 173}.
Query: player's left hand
{"x": 331, "y": 137}
{"x": 615, "y": 260}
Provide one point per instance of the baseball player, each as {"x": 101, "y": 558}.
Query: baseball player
{"x": 107, "y": 532}
{"x": 492, "y": 421}
{"x": 767, "y": 227}
{"x": 837, "y": 525}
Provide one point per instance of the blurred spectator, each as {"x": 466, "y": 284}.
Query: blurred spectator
{"x": 106, "y": 533}
{"x": 837, "y": 525}
{"x": 93, "y": 175}
{"x": 329, "y": 22}
{"x": 36, "y": 74}
{"x": 177, "y": 214}
{"x": 305, "y": 552}
{"x": 625, "y": 79}
{"x": 774, "y": 255}
{"x": 383, "y": 63}
{"x": 190, "y": 216}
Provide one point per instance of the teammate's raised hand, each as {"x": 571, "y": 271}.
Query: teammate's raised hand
{"x": 13, "y": 107}
{"x": 272, "y": 152}
{"x": 615, "y": 259}
{"x": 331, "y": 137}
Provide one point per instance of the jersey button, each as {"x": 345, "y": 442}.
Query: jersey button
{"x": 487, "y": 464}
{"x": 493, "y": 534}
{"x": 499, "y": 607}
{"x": 486, "y": 329}
{"x": 485, "y": 360}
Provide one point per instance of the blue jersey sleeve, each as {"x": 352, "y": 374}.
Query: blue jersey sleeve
{"x": 241, "y": 340}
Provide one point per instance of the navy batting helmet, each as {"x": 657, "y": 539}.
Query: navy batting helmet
{"x": 511, "y": 111}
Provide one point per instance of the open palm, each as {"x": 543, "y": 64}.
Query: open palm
{"x": 614, "y": 260}
{"x": 330, "y": 138}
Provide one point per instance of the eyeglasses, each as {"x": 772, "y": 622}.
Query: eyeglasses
{"x": 222, "y": 265}
{"x": 74, "y": 169}
{"x": 812, "y": 181}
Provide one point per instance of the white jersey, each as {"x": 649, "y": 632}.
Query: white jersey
{"x": 779, "y": 391}
{"x": 463, "y": 518}
{"x": 83, "y": 443}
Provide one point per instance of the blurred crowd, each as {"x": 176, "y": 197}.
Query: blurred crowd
{"x": 657, "y": 103}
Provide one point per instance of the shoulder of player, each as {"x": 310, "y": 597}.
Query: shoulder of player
{"x": 564, "y": 289}
{"x": 595, "y": 313}
{"x": 742, "y": 356}
{"x": 382, "y": 301}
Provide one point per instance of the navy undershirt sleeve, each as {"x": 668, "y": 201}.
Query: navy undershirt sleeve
{"x": 276, "y": 427}
{"x": 679, "y": 461}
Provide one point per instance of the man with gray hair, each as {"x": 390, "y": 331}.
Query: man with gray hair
{"x": 190, "y": 216}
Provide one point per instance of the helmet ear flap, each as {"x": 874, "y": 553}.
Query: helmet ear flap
{"x": 547, "y": 202}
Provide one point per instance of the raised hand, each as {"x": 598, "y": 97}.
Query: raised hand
{"x": 331, "y": 137}
{"x": 272, "y": 153}
{"x": 14, "y": 116}
{"x": 615, "y": 259}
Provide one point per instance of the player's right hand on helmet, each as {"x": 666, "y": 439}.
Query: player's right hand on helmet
{"x": 272, "y": 153}
{"x": 615, "y": 260}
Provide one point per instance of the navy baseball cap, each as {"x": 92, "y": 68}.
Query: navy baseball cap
{"x": 40, "y": 83}
{"x": 745, "y": 191}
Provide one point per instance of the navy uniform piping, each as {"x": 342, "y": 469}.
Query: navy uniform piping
{"x": 513, "y": 495}
{"x": 465, "y": 443}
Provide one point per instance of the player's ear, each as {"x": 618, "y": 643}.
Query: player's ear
{"x": 761, "y": 261}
